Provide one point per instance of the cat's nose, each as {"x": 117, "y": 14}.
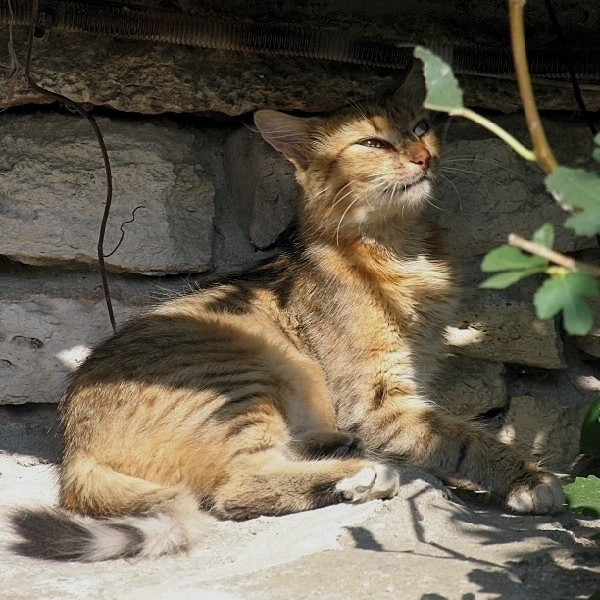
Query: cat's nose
{"x": 421, "y": 157}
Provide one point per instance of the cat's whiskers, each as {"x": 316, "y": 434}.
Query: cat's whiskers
{"x": 428, "y": 198}
{"x": 403, "y": 204}
{"x": 331, "y": 211}
{"x": 361, "y": 223}
{"x": 390, "y": 197}
{"x": 384, "y": 195}
{"x": 382, "y": 183}
{"x": 337, "y": 231}
{"x": 359, "y": 109}
{"x": 321, "y": 192}
{"x": 450, "y": 162}
{"x": 323, "y": 225}
{"x": 452, "y": 170}
{"x": 327, "y": 208}
{"x": 337, "y": 200}
{"x": 448, "y": 159}
{"x": 392, "y": 194}
{"x": 446, "y": 178}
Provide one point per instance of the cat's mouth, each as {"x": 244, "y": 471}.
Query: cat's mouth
{"x": 411, "y": 189}
{"x": 415, "y": 181}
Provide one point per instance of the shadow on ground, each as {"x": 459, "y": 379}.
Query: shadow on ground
{"x": 563, "y": 565}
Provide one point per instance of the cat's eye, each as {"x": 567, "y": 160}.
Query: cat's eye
{"x": 421, "y": 128}
{"x": 375, "y": 143}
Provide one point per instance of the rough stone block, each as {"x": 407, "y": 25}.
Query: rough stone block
{"x": 546, "y": 408}
{"x": 505, "y": 331}
{"x": 52, "y": 192}
{"x": 151, "y": 78}
{"x": 41, "y": 339}
{"x": 262, "y": 184}
{"x": 544, "y": 428}
{"x": 470, "y": 387}
{"x": 49, "y": 320}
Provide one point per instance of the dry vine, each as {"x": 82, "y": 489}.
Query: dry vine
{"x": 71, "y": 104}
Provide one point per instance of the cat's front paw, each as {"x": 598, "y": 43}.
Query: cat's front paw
{"x": 329, "y": 444}
{"x": 541, "y": 496}
{"x": 370, "y": 483}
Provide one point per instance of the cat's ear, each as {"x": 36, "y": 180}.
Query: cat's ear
{"x": 412, "y": 91}
{"x": 287, "y": 134}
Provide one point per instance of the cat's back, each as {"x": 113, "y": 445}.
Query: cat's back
{"x": 212, "y": 323}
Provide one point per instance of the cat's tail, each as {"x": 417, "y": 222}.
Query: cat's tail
{"x": 54, "y": 533}
{"x": 154, "y": 520}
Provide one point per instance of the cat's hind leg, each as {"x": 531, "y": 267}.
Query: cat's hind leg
{"x": 268, "y": 464}
{"x": 270, "y": 483}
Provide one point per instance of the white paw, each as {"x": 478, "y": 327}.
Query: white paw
{"x": 378, "y": 481}
{"x": 544, "y": 498}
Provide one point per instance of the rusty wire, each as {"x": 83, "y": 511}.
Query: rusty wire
{"x": 76, "y": 107}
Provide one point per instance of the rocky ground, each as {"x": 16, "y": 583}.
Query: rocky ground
{"x": 426, "y": 544}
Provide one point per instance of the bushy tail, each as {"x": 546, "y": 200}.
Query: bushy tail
{"x": 63, "y": 535}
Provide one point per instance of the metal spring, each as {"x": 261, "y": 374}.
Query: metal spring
{"x": 190, "y": 30}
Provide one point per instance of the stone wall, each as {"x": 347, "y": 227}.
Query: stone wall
{"x": 153, "y": 78}
{"x": 213, "y": 198}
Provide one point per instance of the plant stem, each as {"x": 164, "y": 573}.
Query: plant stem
{"x": 498, "y": 131}
{"x": 545, "y": 157}
{"x": 554, "y": 257}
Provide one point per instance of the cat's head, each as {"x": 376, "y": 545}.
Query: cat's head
{"x": 361, "y": 166}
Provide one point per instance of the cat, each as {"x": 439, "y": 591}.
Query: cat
{"x": 294, "y": 386}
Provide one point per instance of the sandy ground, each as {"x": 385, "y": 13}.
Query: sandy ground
{"x": 424, "y": 544}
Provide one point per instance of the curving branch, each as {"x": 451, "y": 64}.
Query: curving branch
{"x": 542, "y": 149}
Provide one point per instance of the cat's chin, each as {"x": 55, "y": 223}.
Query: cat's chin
{"x": 421, "y": 181}
{"x": 413, "y": 195}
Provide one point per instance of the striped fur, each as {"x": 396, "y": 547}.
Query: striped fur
{"x": 261, "y": 395}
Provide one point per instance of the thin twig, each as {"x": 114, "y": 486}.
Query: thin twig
{"x": 506, "y": 137}
{"x": 554, "y": 257}
{"x": 541, "y": 147}
{"x": 109, "y": 186}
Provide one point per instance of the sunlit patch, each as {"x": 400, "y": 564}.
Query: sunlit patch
{"x": 73, "y": 357}
{"x": 463, "y": 337}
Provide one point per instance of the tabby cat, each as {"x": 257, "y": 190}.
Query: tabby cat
{"x": 294, "y": 386}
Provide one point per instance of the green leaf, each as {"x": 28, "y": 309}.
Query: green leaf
{"x": 499, "y": 281}
{"x": 580, "y": 190}
{"x": 583, "y": 495}
{"x": 564, "y": 293}
{"x": 596, "y": 151}
{"x": 589, "y": 442}
{"x": 508, "y": 258}
{"x": 443, "y": 91}
{"x": 545, "y": 235}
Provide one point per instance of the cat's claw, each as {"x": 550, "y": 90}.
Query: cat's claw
{"x": 546, "y": 497}
{"x": 370, "y": 483}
